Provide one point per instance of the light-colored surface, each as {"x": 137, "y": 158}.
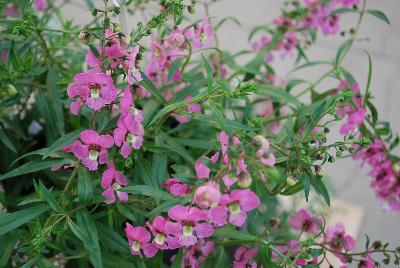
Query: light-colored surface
{"x": 349, "y": 180}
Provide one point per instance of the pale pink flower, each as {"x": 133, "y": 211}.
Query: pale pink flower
{"x": 111, "y": 181}
{"x": 244, "y": 257}
{"x": 207, "y": 195}
{"x": 203, "y": 34}
{"x": 337, "y": 239}
{"x": 131, "y": 66}
{"x": 41, "y": 5}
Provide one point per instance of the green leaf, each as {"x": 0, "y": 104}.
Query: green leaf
{"x": 46, "y": 195}
{"x": 124, "y": 211}
{"x": 166, "y": 111}
{"x": 35, "y": 166}
{"x": 379, "y": 14}
{"x": 147, "y": 191}
{"x": 6, "y": 141}
{"x": 145, "y": 172}
{"x": 368, "y": 79}
{"x": 293, "y": 189}
{"x": 62, "y": 141}
{"x": 151, "y": 87}
{"x": 95, "y": 51}
{"x": 85, "y": 186}
{"x": 219, "y": 116}
{"x": 7, "y": 245}
{"x": 222, "y": 21}
{"x": 320, "y": 187}
{"x": 310, "y": 64}
{"x": 112, "y": 239}
{"x": 86, "y": 231}
{"x": 231, "y": 233}
{"x": 11, "y": 221}
{"x": 178, "y": 260}
{"x": 342, "y": 51}
{"x": 278, "y": 94}
{"x": 209, "y": 74}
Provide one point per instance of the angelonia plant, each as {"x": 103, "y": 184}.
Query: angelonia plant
{"x": 160, "y": 148}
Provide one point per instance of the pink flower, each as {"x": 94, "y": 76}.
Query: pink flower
{"x": 197, "y": 254}
{"x": 111, "y": 181}
{"x": 331, "y": 24}
{"x": 354, "y": 120}
{"x": 192, "y": 108}
{"x": 202, "y": 171}
{"x": 162, "y": 239}
{"x": 132, "y": 69}
{"x": 94, "y": 149}
{"x": 203, "y": 34}
{"x": 41, "y": 5}
{"x": 191, "y": 224}
{"x": 176, "y": 187}
{"x": 270, "y": 160}
{"x": 366, "y": 262}
{"x": 243, "y": 257}
{"x": 305, "y": 221}
{"x": 238, "y": 202}
{"x": 207, "y": 196}
{"x": 348, "y": 3}
{"x": 336, "y": 239}
{"x": 129, "y": 132}
{"x": 92, "y": 88}
{"x": 12, "y": 10}
{"x": 139, "y": 241}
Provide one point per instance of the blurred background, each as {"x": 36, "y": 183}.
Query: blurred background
{"x": 357, "y": 205}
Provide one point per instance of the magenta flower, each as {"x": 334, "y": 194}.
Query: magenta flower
{"x": 192, "y": 108}
{"x": 41, "y": 5}
{"x": 129, "y": 132}
{"x": 336, "y": 239}
{"x": 244, "y": 257}
{"x": 203, "y": 34}
{"x": 238, "y": 202}
{"x": 331, "y": 24}
{"x": 176, "y": 187}
{"x": 354, "y": 120}
{"x": 131, "y": 66}
{"x": 202, "y": 171}
{"x": 94, "y": 89}
{"x": 12, "y": 10}
{"x": 162, "y": 239}
{"x": 207, "y": 195}
{"x": 111, "y": 181}
{"x": 270, "y": 159}
{"x": 191, "y": 224}
{"x": 139, "y": 241}
{"x": 94, "y": 149}
{"x": 305, "y": 222}
{"x": 195, "y": 255}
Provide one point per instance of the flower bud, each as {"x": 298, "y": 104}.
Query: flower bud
{"x": 191, "y": 9}
{"x": 377, "y": 245}
{"x": 291, "y": 180}
{"x": 84, "y": 36}
{"x": 319, "y": 171}
{"x": 396, "y": 167}
{"x": 245, "y": 180}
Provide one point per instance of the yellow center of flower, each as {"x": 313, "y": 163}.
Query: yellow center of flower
{"x": 234, "y": 208}
{"x": 187, "y": 230}
{"x": 159, "y": 239}
{"x": 135, "y": 246}
{"x": 131, "y": 138}
{"x": 93, "y": 155}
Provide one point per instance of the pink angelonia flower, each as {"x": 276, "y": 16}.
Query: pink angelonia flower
{"x": 176, "y": 187}
{"x": 336, "y": 239}
{"x": 191, "y": 224}
{"x": 270, "y": 160}
{"x": 348, "y": 3}
{"x": 203, "y": 34}
{"x": 224, "y": 141}
{"x": 94, "y": 149}
{"x": 162, "y": 239}
{"x": 195, "y": 256}
{"x": 207, "y": 195}
{"x": 305, "y": 222}
{"x": 244, "y": 257}
{"x": 132, "y": 70}
{"x": 41, "y": 5}
{"x": 289, "y": 42}
{"x": 192, "y": 108}
{"x": 75, "y": 146}
{"x": 354, "y": 120}
{"x": 202, "y": 171}
{"x": 290, "y": 250}
{"x": 129, "y": 132}
{"x": 94, "y": 89}
{"x": 139, "y": 241}
{"x": 366, "y": 262}
{"x": 175, "y": 39}
{"x": 238, "y": 202}
{"x": 331, "y": 24}
{"x": 158, "y": 53}
{"x": 12, "y": 10}
{"x": 111, "y": 181}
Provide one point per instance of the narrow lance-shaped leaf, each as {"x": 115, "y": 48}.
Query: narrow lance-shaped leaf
{"x": 62, "y": 141}
{"x": 380, "y": 15}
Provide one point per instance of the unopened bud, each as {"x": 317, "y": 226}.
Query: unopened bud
{"x": 84, "y": 36}
{"x": 191, "y": 9}
{"x": 244, "y": 181}
{"x": 319, "y": 171}
{"x": 377, "y": 245}
{"x": 291, "y": 180}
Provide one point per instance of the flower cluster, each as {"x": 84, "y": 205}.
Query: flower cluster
{"x": 218, "y": 200}
{"x": 320, "y": 15}
{"x": 385, "y": 173}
